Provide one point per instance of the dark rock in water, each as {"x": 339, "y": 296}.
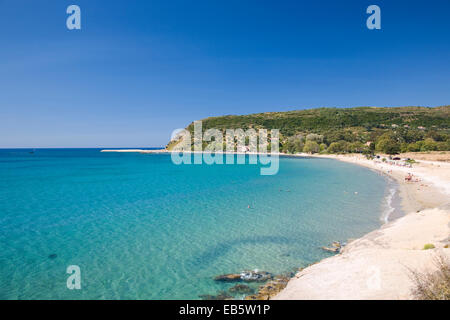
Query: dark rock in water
{"x": 221, "y": 295}
{"x": 229, "y": 277}
{"x": 52, "y": 256}
{"x": 335, "y": 250}
{"x": 270, "y": 289}
{"x": 336, "y": 247}
{"x": 241, "y": 288}
{"x": 336, "y": 244}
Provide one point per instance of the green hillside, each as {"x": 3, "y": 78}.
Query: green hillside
{"x": 338, "y": 130}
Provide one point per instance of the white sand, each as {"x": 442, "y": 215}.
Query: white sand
{"x": 378, "y": 265}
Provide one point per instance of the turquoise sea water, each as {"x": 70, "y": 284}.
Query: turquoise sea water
{"x": 140, "y": 227}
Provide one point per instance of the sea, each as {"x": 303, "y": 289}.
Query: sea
{"x": 139, "y": 226}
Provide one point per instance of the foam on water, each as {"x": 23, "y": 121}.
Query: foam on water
{"x": 389, "y": 207}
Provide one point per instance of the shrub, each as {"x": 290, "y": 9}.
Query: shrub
{"x": 428, "y": 246}
{"x": 298, "y": 145}
{"x": 404, "y": 147}
{"x": 433, "y": 286}
{"x": 288, "y": 147}
{"x": 413, "y": 147}
{"x": 429, "y": 145}
{"x": 443, "y": 145}
{"x": 311, "y": 147}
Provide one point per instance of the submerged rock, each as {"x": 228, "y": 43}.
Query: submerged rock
{"x": 335, "y": 250}
{"x": 241, "y": 288}
{"x": 255, "y": 275}
{"x": 221, "y": 295}
{"x": 270, "y": 289}
{"x": 336, "y": 244}
{"x": 336, "y": 247}
{"x": 248, "y": 276}
{"x": 228, "y": 277}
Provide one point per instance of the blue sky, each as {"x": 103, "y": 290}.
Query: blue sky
{"x": 139, "y": 69}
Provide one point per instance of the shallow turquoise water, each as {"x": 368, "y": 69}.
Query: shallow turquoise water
{"x": 141, "y": 227}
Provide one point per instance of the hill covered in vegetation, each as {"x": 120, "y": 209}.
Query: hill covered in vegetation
{"x": 342, "y": 130}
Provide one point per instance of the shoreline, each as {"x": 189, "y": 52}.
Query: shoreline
{"x": 430, "y": 192}
{"x": 379, "y": 264}
{"x": 410, "y": 200}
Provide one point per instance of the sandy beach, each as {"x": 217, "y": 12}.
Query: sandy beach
{"x": 379, "y": 265}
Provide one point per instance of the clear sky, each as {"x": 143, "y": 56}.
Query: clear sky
{"x": 139, "y": 69}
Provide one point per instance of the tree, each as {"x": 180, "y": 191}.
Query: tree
{"x": 334, "y": 147}
{"x": 404, "y": 147}
{"x": 429, "y": 145}
{"x": 289, "y": 147}
{"x": 435, "y": 135}
{"x": 315, "y": 137}
{"x": 356, "y": 147}
{"x": 346, "y": 127}
{"x": 311, "y": 147}
{"x": 413, "y": 147}
{"x": 387, "y": 145}
{"x": 443, "y": 145}
{"x": 298, "y": 145}
{"x": 345, "y": 146}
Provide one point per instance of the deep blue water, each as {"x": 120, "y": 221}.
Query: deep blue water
{"x": 140, "y": 227}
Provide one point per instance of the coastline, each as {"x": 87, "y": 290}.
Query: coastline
{"x": 379, "y": 264}
{"x": 431, "y": 190}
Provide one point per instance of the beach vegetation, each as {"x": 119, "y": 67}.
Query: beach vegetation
{"x": 348, "y": 130}
{"x": 335, "y": 147}
{"x": 315, "y": 137}
{"x": 294, "y": 144}
{"x": 357, "y": 147}
{"x": 412, "y": 147}
{"x": 428, "y": 246}
{"x": 429, "y": 145}
{"x": 435, "y": 285}
{"x": 322, "y": 147}
{"x": 388, "y": 143}
{"x": 311, "y": 147}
